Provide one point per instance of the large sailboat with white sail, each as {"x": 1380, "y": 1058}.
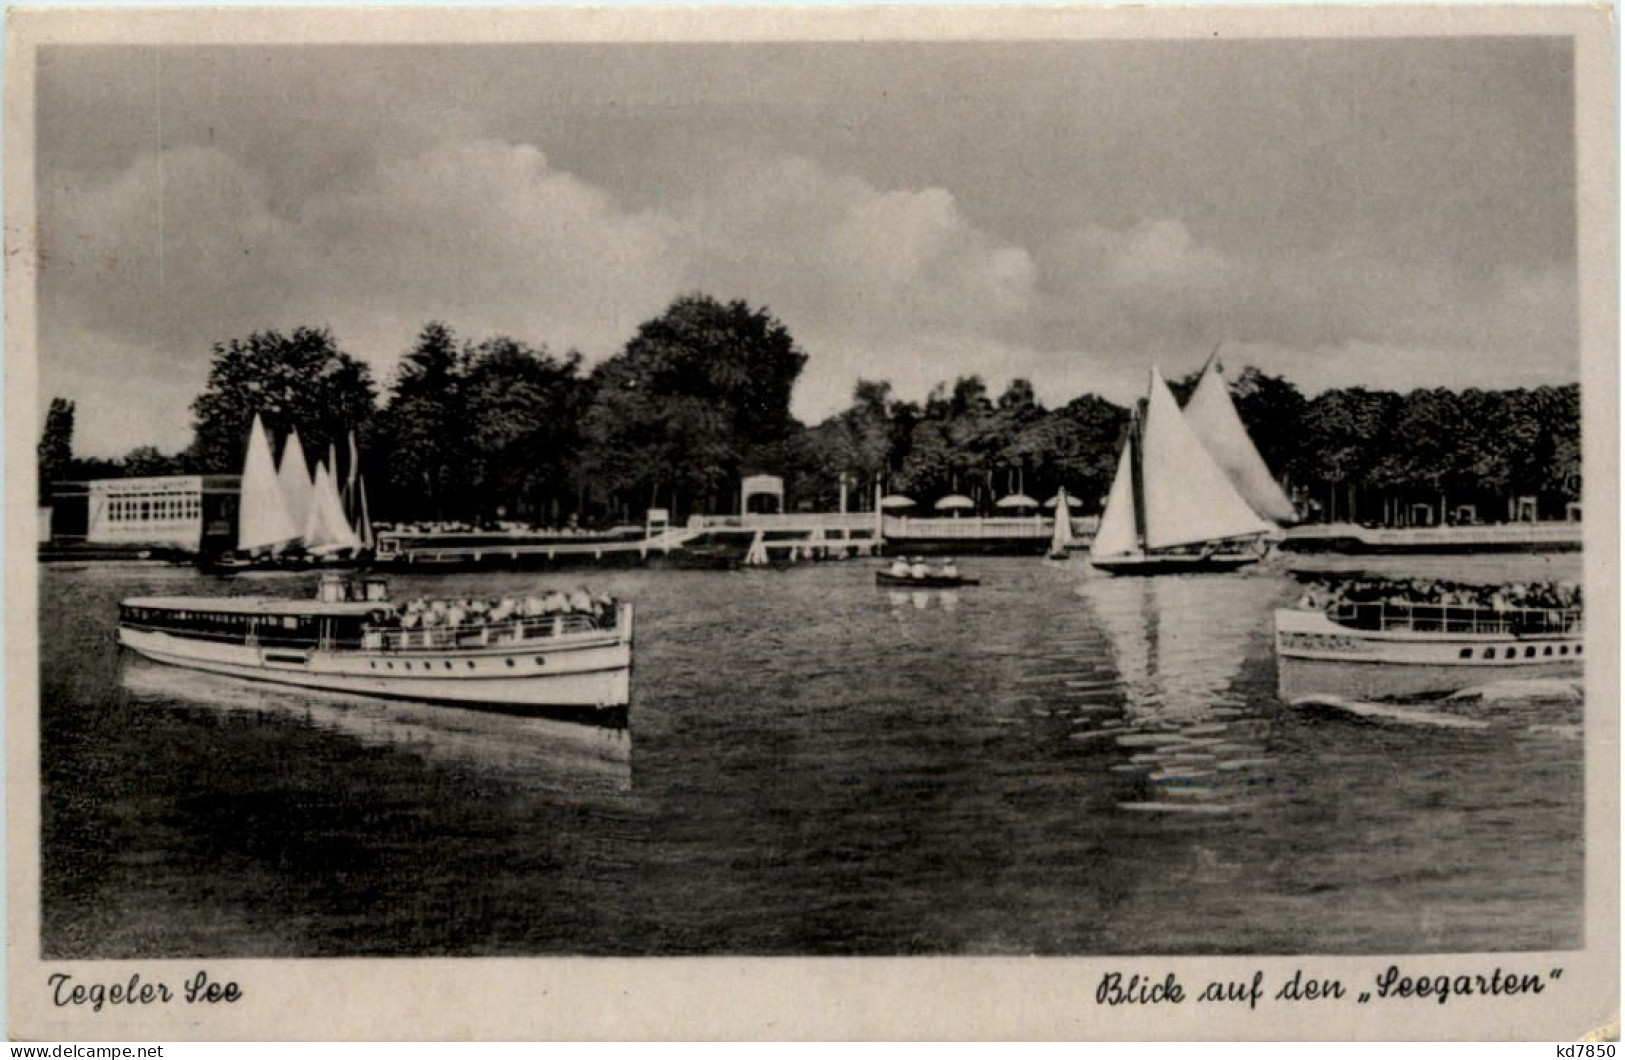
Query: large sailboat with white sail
{"x": 1214, "y": 420}
{"x": 1172, "y": 509}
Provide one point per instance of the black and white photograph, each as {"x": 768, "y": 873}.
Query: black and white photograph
{"x": 1113, "y": 492}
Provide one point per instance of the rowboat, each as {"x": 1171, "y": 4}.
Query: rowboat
{"x": 354, "y": 639}
{"x": 930, "y": 581}
{"x": 1389, "y": 650}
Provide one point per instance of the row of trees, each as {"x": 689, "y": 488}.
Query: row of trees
{"x": 701, "y": 396}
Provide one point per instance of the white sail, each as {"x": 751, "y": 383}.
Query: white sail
{"x": 1213, "y": 417}
{"x": 352, "y": 481}
{"x": 326, "y": 529}
{"x": 294, "y": 477}
{"x": 363, "y": 528}
{"x": 1188, "y": 497}
{"x": 262, "y": 515}
{"x": 1116, "y": 535}
{"x": 1063, "y": 525}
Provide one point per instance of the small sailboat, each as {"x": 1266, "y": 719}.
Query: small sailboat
{"x": 363, "y": 524}
{"x": 1217, "y": 425}
{"x": 263, "y": 521}
{"x": 1172, "y": 509}
{"x": 326, "y": 528}
{"x": 355, "y": 500}
{"x": 1062, "y": 538}
{"x": 294, "y": 476}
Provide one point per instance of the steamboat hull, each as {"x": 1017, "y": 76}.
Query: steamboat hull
{"x": 1318, "y": 657}
{"x": 591, "y": 672}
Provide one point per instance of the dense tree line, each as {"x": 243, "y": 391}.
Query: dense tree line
{"x": 700, "y": 395}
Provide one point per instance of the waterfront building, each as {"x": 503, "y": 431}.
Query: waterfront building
{"x": 169, "y": 511}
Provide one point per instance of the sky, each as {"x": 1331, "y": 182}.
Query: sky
{"x": 1388, "y": 213}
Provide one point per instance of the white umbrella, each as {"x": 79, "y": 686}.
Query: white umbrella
{"x": 955, "y": 502}
{"x": 896, "y": 500}
{"x": 1071, "y": 501}
{"x": 1016, "y": 500}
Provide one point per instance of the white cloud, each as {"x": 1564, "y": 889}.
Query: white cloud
{"x": 897, "y": 283}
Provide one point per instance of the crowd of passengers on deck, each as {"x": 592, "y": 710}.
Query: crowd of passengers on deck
{"x": 475, "y": 613}
{"x": 1436, "y": 592}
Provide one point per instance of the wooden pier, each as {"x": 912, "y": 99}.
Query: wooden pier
{"x": 1019, "y": 534}
{"x": 795, "y": 536}
{"x": 1504, "y": 537}
{"x": 730, "y": 540}
{"x": 403, "y": 553}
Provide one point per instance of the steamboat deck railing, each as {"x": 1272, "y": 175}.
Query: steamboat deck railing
{"x": 438, "y": 637}
{"x": 477, "y": 634}
{"x": 1456, "y": 618}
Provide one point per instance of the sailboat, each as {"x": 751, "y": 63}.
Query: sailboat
{"x": 1172, "y": 509}
{"x": 263, "y": 522}
{"x": 355, "y": 498}
{"x": 295, "y": 479}
{"x": 286, "y": 519}
{"x": 1062, "y": 538}
{"x": 327, "y": 531}
{"x": 1213, "y": 418}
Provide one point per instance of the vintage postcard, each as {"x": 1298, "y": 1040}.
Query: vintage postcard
{"x": 821, "y": 523}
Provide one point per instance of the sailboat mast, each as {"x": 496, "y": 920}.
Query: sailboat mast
{"x": 1136, "y": 434}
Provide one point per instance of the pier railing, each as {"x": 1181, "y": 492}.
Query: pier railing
{"x": 1460, "y": 618}
{"x": 804, "y": 522}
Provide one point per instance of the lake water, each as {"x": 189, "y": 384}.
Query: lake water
{"x": 1053, "y": 762}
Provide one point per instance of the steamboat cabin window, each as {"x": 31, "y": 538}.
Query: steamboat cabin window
{"x": 1466, "y": 653}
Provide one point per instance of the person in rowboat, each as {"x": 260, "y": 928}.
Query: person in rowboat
{"x": 919, "y": 569}
{"x": 899, "y": 567}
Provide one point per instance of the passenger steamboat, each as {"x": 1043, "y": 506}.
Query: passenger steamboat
{"x": 1382, "y": 650}
{"x": 517, "y": 655}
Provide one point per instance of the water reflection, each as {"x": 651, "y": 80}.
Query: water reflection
{"x": 544, "y": 754}
{"x": 921, "y": 599}
{"x": 1179, "y": 646}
